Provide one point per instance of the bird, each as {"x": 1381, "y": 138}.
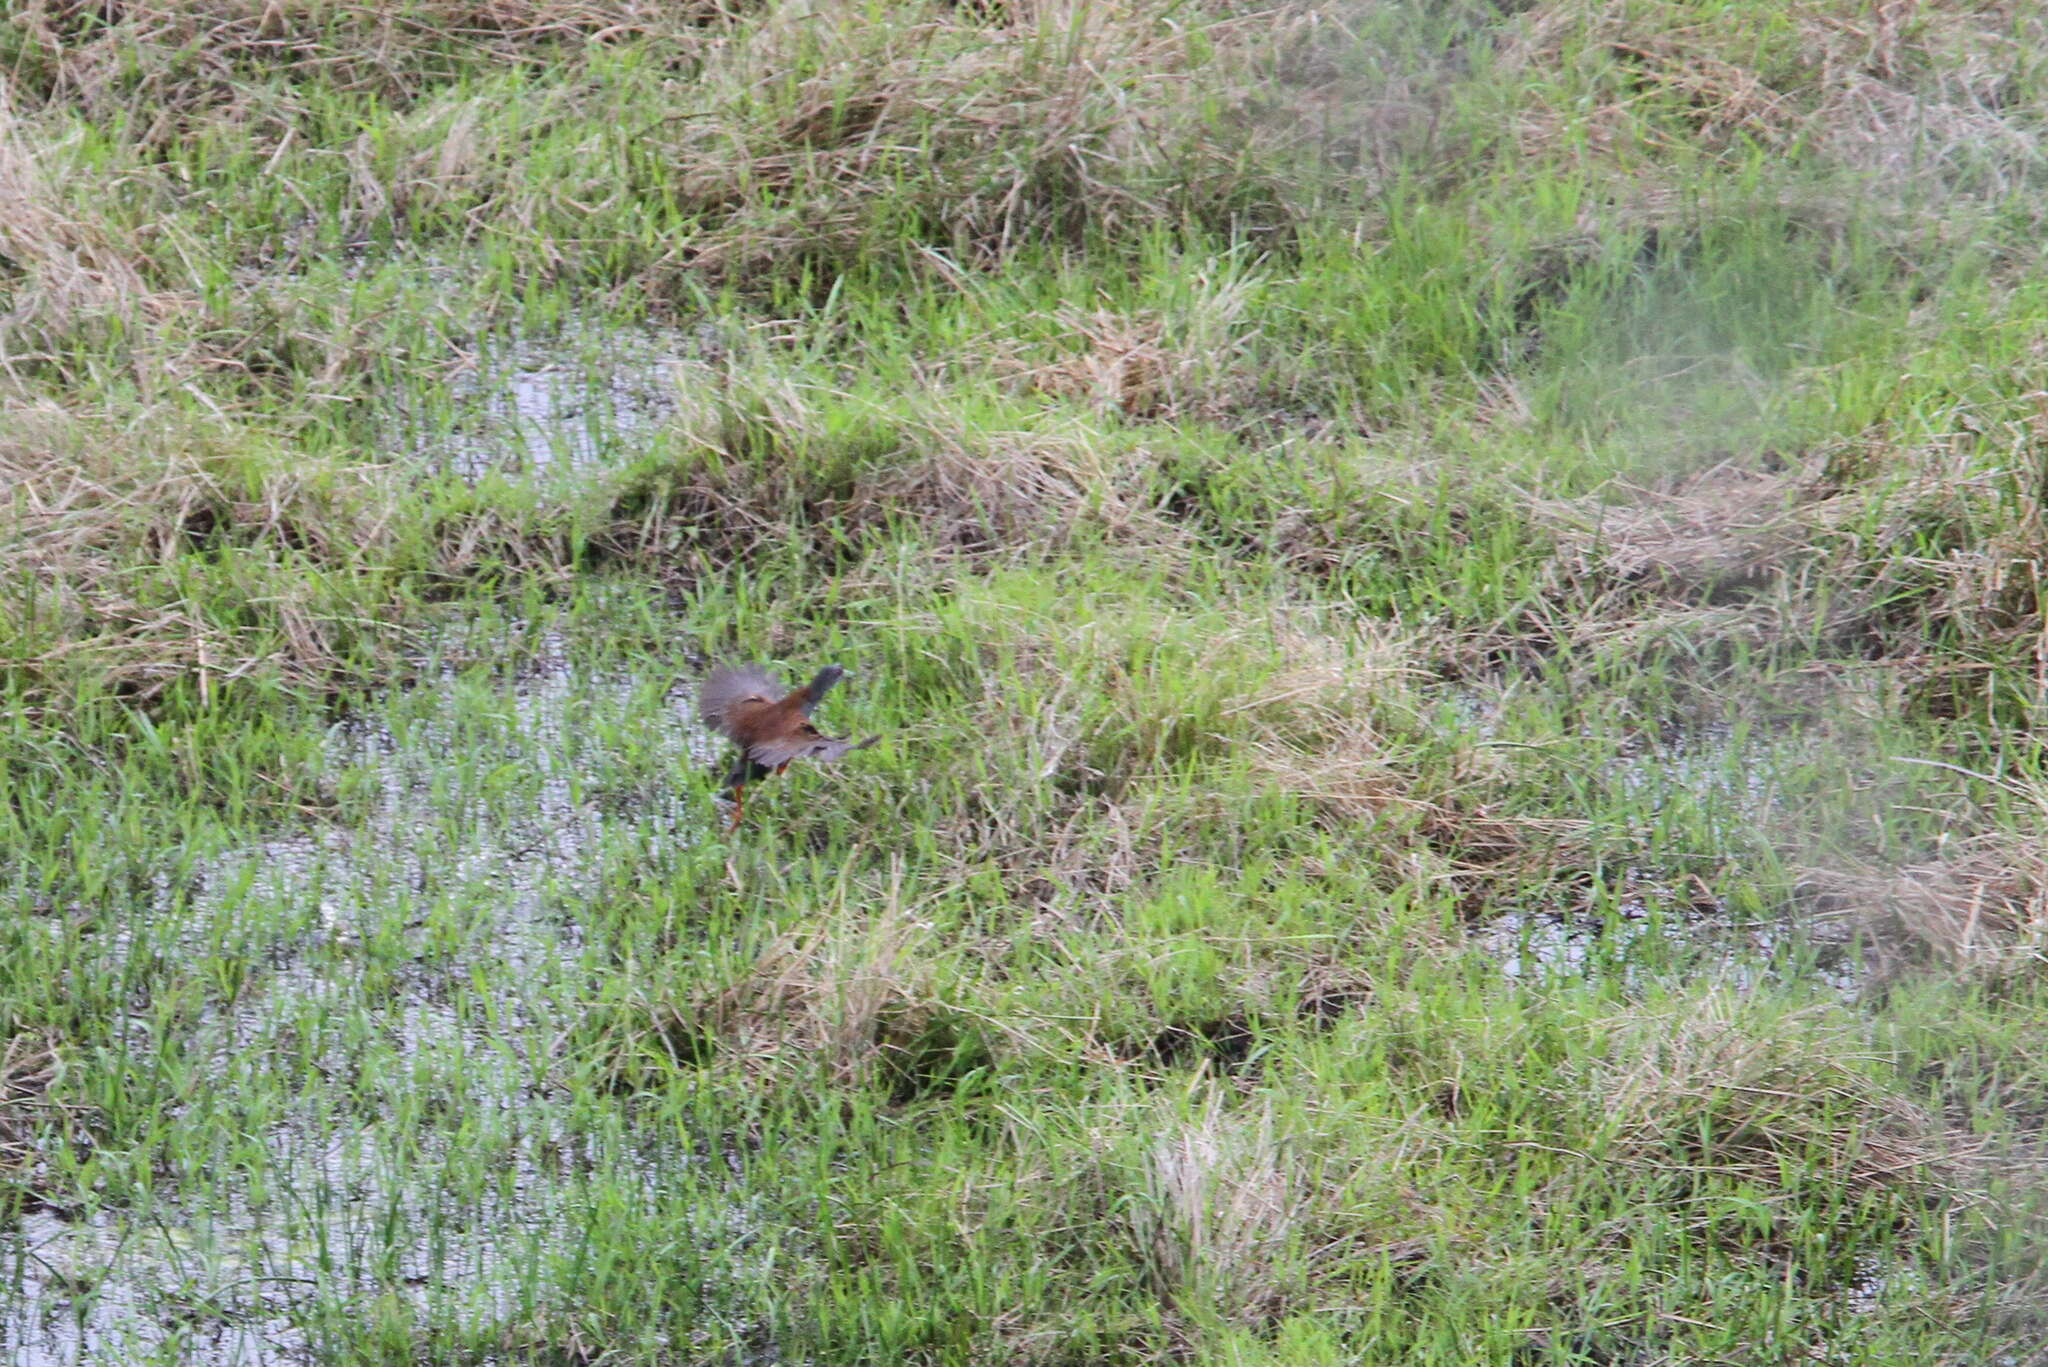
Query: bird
{"x": 770, "y": 724}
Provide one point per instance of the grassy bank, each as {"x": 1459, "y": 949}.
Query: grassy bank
{"x": 1453, "y": 597}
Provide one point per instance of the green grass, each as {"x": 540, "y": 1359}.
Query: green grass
{"x": 1451, "y": 595}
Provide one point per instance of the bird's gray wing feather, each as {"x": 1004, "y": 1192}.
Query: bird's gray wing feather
{"x": 731, "y": 684}
{"x": 776, "y": 753}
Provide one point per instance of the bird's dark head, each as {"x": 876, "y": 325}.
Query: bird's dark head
{"x": 822, "y": 684}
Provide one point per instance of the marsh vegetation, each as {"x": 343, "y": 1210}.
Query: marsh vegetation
{"x": 1453, "y": 591}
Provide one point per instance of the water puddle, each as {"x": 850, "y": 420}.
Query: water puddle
{"x": 1716, "y": 787}
{"x": 542, "y": 404}
{"x": 374, "y": 1110}
{"x": 1652, "y": 925}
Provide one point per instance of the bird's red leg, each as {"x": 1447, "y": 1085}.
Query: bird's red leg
{"x": 739, "y": 808}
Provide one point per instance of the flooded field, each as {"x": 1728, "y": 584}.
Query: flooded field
{"x": 374, "y": 1084}
{"x": 373, "y": 1088}
{"x": 1450, "y": 597}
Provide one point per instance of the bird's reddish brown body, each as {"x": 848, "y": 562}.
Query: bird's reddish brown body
{"x": 769, "y": 723}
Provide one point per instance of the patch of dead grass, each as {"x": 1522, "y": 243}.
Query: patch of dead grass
{"x": 1725, "y": 527}
{"x": 1227, "y": 1204}
{"x": 974, "y": 138}
{"x": 30, "y": 1061}
{"x": 98, "y": 522}
{"x": 1915, "y": 541}
{"x": 181, "y": 61}
{"x": 1120, "y": 365}
{"x": 1695, "y": 1090}
{"x": 1909, "y": 96}
{"x": 1982, "y": 908}
{"x": 767, "y": 460}
{"x": 820, "y": 1000}
{"x": 59, "y": 268}
{"x": 850, "y": 997}
{"x": 1146, "y": 366}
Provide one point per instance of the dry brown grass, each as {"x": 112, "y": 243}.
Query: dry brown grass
{"x": 1228, "y": 1204}
{"x": 820, "y": 999}
{"x": 30, "y": 1063}
{"x": 1380, "y": 110}
{"x": 1056, "y": 119}
{"x": 801, "y": 138}
{"x": 60, "y": 268}
{"x": 1246, "y": 1207}
{"x": 849, "y": 997}
{"x": 180, "y": 61}
{"x": 766, "y": 459}
{"x": 1981, "y": 908}
{"x": 1120, "y": 365}
{"x": 1324, "y": 729}
{"x": 1928, "y": 555}
{"x": 1913, "y": 96}
{"x": 1100, "y": 720}
{"x": 1332, "y": 727}
{"x": 1192, "y": 367}
{"x": 1726, "y": 527}
{"x": 1693, "y": 1090}
{"x": 97, "y": 519}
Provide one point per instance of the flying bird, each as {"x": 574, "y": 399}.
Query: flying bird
{"x": 770, "y": 724}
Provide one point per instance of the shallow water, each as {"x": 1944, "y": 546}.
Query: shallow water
{"x": 399, "y": 963}
{"x": 1652, "y": 915}
{"x": 543, "y": 403}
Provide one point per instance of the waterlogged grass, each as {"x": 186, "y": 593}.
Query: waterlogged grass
{"x": 496, "y": 1048}
{"x": 499, "y": 1041}
{"x": 1451, "y": 595}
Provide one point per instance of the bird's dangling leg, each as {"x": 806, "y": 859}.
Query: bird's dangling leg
{"x": 739, "y": 808}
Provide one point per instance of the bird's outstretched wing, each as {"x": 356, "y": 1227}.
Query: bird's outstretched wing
{"x": 729, "y": 687}
{"x": 809, "y": 743}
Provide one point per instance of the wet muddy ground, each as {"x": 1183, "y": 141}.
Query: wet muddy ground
{"x": 399, "y": 972}
{"x": 406, "y": 961}
{"x": 373, "y": 1083}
